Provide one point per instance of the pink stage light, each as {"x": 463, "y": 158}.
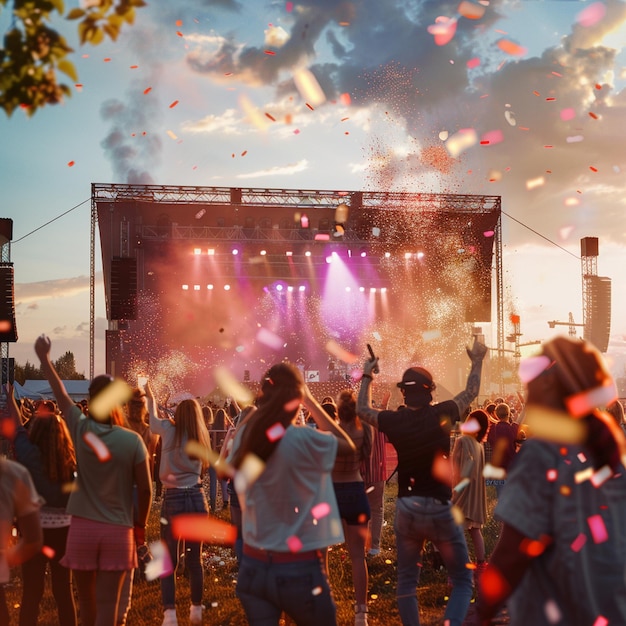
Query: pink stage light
{"x": 263, "y": 252}
{"x": 197, "y": 251}
{"x": 226, "y": 287}
{"x": 235, "y": 252}
{"x": 302, "y": 288}
{"x": 211, "y": 251}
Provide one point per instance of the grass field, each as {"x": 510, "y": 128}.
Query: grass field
{"x": 223, "y": 608}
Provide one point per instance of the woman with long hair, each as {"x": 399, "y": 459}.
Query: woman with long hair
{"x": 47, "y": 451}
{"x": 103, "y": 537}
{"x": 219, "y": 428}
{"x": 181, "y": 477}
{"x": 290, "y": 513}
{"x": 354, "y": 507}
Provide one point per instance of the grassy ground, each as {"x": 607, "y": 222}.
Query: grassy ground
{"x": 223, "y": 608}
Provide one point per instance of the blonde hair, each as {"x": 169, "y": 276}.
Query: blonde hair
{"x": 190, "y": 426}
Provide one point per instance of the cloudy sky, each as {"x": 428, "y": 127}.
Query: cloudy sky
{"x": 519, "y": 98}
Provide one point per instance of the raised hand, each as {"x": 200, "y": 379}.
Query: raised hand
{"x": 42, "y": 347}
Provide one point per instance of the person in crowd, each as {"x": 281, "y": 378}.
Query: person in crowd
{"x": 104, "y": 533}
{"x": 219, "y": 428}
{"x": 561, "y": 553}
{"x": 47, "y": 451}
{"x": 502, "y": 438}
{"x": 616, "y": 410}
{"x": 420, "y": 433}
{"x": 19, "y": 501}
{"x": 354, "y": 507}
{"x": 374, "y": 471}
{"x": 469, "y": 493}
{"x": 181, "y": 477}
{"x": 290, "y": 512}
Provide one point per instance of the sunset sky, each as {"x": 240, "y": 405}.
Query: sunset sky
{"x": 523, "y": 99}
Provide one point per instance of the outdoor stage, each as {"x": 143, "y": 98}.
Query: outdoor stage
{"x": 201, "y": 277}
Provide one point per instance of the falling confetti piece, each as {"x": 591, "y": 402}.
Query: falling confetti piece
{"x": 443, "y": 30}
{"x": 491, "y": 137}
{"x": 332, "y": 347}
{"x": 601, "y": 476}
{"x": 574, "y": 139}
{"x": 489, "y": 233}
{"x": 270, "y": 117}
{"x": 251, "y": 468}
{"x": 598, "y": 529}
{"x": 308, "y": 87}
{"x": 511, "y": 48}
{"x": 97, "y": 445}
{"x": 269, "y": 339}
{"x": 113, "y": 395}
{"x": 579, "y": 542}
{"x": 461, "y": 141}
{"x": 582, "y": 403}
{"x": 231, "y": 386}
{"x": 270, "y": 52}
{"x": 601, "y": 621}
{"x": 470, "y": 426}
{"x": 473, "y": 63}
{"x": 583, "y": 476}
{"x": 592, "y": 14}
{"x": 48, "y": 552}
{"x": 294, "y": 544}
{"x": 134, "y": 67}
{"x": 179, "y": 33}
{"x": 550, "y": 99}
{"x": 593, "y": 115}
{"x": 320, "y": 510}
{"x": 309, "y": 106}
{"x": 510, "y": 118}
{"x": 554, "y": 425}
{"x": 535, "y": 182}
{"x": 497, "y": 473}
{"x": 593, "y": 169}
{"x": 551, "y": 475}
{"x": 203, "y": 528}
{"x": 275, "y": 432}
{"x": 345, "y": 99}
{"x": 552, "y": 612}
{"x": 70, "y": 163}
{"x": 148, "y": 90}
{"x": 461, "y": 485}
{"x": 172, "y": 134}
{"x": 493, "y": 585}
{"x": 471, "y": 10}
{"x": 107, "y": 60}
{"x": 173, "y": 104}
{"x": 533, "y": 547}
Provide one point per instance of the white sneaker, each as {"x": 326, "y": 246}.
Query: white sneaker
{"x": 169, "y": 618}
{"x": 195, "y": 614}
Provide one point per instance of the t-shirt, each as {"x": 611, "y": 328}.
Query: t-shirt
{"x": 106, "y": 457}
{"x": 292, "y": 505}
{"x": 501, "y": 437}
{"x": 579, "y": 578}
{"x": 18, "y": 498}
{"x": 420, "y": 436}
{"x": 177, "y": 469}
{"x": 468, "y": 461}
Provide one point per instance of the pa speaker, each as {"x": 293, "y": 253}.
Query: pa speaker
{"x": 8, "y": 329}
{"x": 123, "y": 288}
{"x": 598, "y": 321}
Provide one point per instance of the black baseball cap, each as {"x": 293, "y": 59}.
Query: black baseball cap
{"x": 417, "y": 378}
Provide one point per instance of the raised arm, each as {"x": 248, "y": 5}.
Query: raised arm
{"x": 42, "y": 350}
{"x": 476, "y": 355}
{"x": 325, "y": 422}
{"x": 364, "y": 408}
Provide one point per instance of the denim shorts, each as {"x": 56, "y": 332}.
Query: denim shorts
{"x": 354, "y": 507}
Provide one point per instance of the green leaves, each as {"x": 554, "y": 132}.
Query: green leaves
{"x": 32, "y": 52}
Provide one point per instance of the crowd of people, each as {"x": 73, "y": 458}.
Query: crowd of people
{"x": 299, "y": 476}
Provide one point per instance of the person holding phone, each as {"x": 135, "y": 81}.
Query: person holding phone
{"x": 420, "y": 433}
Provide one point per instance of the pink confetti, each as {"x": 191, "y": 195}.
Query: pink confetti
{"x": 275, "y": 432}
{"x": 294, "y": 544}
{"x": 492, "y": 137}
{"x": 579, "y": 542}
{"x": 592, "y": 14}
{"x": 601, "y": 621}
{"x": 320, "y": 510}
{"x": 289, "y": 7}
{"x": 48, "y": 552}
{"x": 551, "y": 475}
{"x": 532, "y": 366}
{"x": 97, "y": 445}
{"x": 472, "y": 63}
{"x": 511, "y": 47}
{"x": 292, "y": 405}
{"x": 598, "y": 529}
{"x": 443, "y": 30}
{"x": 568, "y": 114}
{"x": 489, "y": 233}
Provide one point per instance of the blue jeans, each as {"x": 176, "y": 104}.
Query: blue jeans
{"x": 176, "y": 501}
{"x": 267, "y": 589}
{"x": 420, "y": 519}
{"x": 213, "y": 480}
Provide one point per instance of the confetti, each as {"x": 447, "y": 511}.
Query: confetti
{"x": 231, "y": 386}
{"x": 598, "y": 529}
{"x": 471, "y": 10}
{"x": 294, "y": 544}
{"x": 510, "y": 118}
{"x": 97, "y": 445}
{"x": 531, "y": 367}
{"x": 146, "y": 91}
{"x": 491, "y": 137}
{"x": 496, "y": 473}
{"x": 551, "y": 475}
{"x": 601, "y": 476}
{"x": 592, "y": 14}
{"x": 173, "y": 104}
{"x": 511, "y": 48}
{"x": 554, "y": 425}
{"x": 472, "y": 63}
{"x": 251, "y": 468}
{"x": 113, "y": 395}
{"x": 71, "y": 163}
{"x": 461, "y": 485}
{"x": 270, "y": 117}
{"x": 270, "y": 52}
{"x": 161, "y": 563}
{"x": 320, "y": 510}
{"x": 443, "y": 30}
{"x": 275, "y": 432}
{"x": 332, "y": 347}
{"x": 579, "y": 542}
{"x": 493, "y": 585}
{"x": 552, "y": 612}
{"x": 345, "y": 99}
{"x": 203, "y": 528}
{"x": 308, "y": 87}
{"x": 48, "y": 552}
{"x": 593, "y": 115}
{"x": 270, "y": 339}
{"x": 461, "y": 141}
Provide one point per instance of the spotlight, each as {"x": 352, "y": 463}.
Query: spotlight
{"x": 289, "y": 253}
{"x": 383, "y": 290}
{"x": 420, "y": 255}
{"x": 197, "y": 251}
{"x": 279, "y": 287}
{"x": 226, "y": 287}
{"x": 361, "y": 289}
{"x": 211, "y": 251}
{"x": 307, "y": 253}
{"x": 372, "y": 289}
{"x": 185, "y": 287}
{"x": 209, "y": 286}
{"x": 263, "y": 252}
{"x": 387, "y": 255}
{"x": 196, "y": 287}
{"x": 302, "y": 288}
{"x": 407, "y": 255}
{"x": 304, "y": 221}
{"x": 235, "y": 252}
{"x": 290, "y": 288}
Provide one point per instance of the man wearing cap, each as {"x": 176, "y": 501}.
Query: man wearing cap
{"x": 420, "y": 433}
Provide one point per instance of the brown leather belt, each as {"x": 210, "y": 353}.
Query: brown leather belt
{"x": 267, "y": 556}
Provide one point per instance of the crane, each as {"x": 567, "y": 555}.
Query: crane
{"x": 570, "y": 323}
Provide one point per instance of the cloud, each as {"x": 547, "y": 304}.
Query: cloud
{"x": 285, "y": 170}
{"x": 32, "y": 293}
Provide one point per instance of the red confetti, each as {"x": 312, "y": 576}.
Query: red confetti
{"x": 593, "y": 169}
{"x": 493, "y": 585}
{"x": 48, "y": 552}
{"x": 71, "y": 163}
{"x": 270, "y": 52}
{"x": 7, "y": 428}
{"x": 511, "y": 48}
{"x": 557, "y": 74}
{"x": 107, "y": 59}
{"x": 598, "y": 529}
{"x": 309, "y": 106}
{"x": 598, "y": 86}
{"x": 275, "y": 432}
{"x": 148, "y": 90}
{"x": 270, "y": 117}
{"x": 173, "y": 104}
{"x": 536, "y": 93}
{"x": 579, "y": 542}
{"x": 228, "y": 74}
{"x": 550, "y": 99}
{"x": 179, "y": 33}
{"x": 97, "y": 445}
{"x": 294, "y": 544}
{"x": 134, "y": 67}
{"x": 593, "y": 115}
{"x": 78, "y": 85}
{"x": 472, "y": 63}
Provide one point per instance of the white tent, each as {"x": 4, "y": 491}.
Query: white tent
{"x": 20, "y": 392}
{"x": 76, "y": 389}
